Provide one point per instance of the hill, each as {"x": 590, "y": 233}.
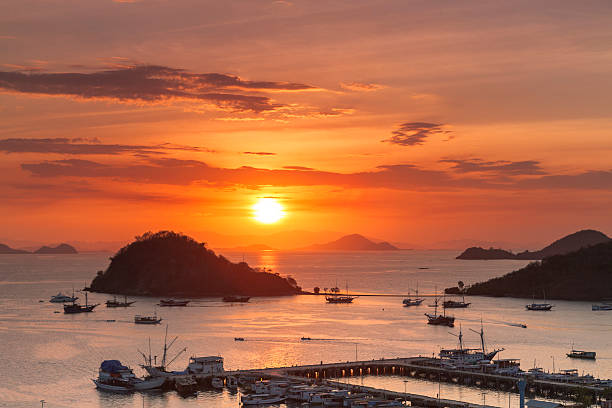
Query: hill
{"x": 167, "y": 263}
{"x": 585, "y": 274}
{"x": 354, "y": 242}
{"x": 60, "y": 249}
{"x": 5, "y": 249}
{"x": 567, "y": 244}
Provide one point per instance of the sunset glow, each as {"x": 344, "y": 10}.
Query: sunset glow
{"x": 268, "y": 211}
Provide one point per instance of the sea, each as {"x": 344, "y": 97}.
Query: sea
{"x": 49, "y": 356}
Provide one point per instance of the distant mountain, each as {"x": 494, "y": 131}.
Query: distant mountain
{"x": 567, "y": 244}
{"x": 5, "y": 249}
{"x": 585, "y": 274}
{"x": 60, "y": 249}
{"x": 354, "y": 242}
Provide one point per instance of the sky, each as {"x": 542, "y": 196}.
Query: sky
{"x": 411, "y": 121}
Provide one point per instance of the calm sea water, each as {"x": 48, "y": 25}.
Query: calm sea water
{"x": 52, "y": 356}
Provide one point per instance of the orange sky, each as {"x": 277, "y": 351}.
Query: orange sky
{"x": 411, "y": 121}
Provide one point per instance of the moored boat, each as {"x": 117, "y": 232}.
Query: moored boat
{"x": 118, "y": 303}
{"x": 603, "y": 306}
{"x": 139, "y": 319}
{"x": 439, "y": 320}
{"x": 185, "y": 385}
{"x": 260, "y": 399}
{"x": 409, "y": 301}
{"x": 455, "y": 304}
{"x": 217, "y": 382}
{"x": 585, "y": 355}
{"x": 172, "y": 302}
{"x": 236, "y": 299}
{"x": 76, "y": 308}
{"x": 542, "y": 307}
{"x": 61, "y": 298}
{"x": 114, "y": 376}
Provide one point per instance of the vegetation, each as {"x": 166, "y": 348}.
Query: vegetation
{"x": 585, "y": 274}
{"x": 168, "y": 263}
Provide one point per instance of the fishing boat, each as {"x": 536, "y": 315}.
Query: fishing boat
{"x": 585, "y": 355}
{"x": 238, "y": 338}
{"x": 413, "y": 301}
{"x": 114, "y": 376}
{"x": 140, "y": 319}
{"x": 236, "y": 299}
{"x": 118, "y": 303}
{"x": 439, "y": 320}
{"x": 76, "y": 308}
{"x": 305, "y": 338}
{"x": 455, "y": 304}
{"x": 171, "y": 302}
{"x": 261, "y": 399}
{"x": 61, "y": 298}
{"x": 186, "y": 385}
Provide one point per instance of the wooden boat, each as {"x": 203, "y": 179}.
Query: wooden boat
{"x": 113, "y": 376}
{"x": 171, "y": 302}
{"x": 238, "y": 338}
{"x": 585, "y": 355}
{"x": 236, "y": 299}
{"x": 139, "y": 319}
{"x": 76, "y": 308}
{"x": 440, "y": 320}
{"x": 539, "y": 307}
{"x": 260, "y": 399}
{"x": 117, "y": 303}
{"x": 186, "y": 385}
{"x": 336, "y": 297}
{"x": 413, "y": 301}
{"x": 455, "y": 304}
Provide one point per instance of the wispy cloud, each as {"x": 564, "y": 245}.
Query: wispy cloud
{"x": 475, "y": 165}
{"x": 153, "y": 84}
{"x": 260, "y": 153}
{"x": 361, "y": 86}
{"x": 415, "y": 133}
{"x": 81, "y": 146}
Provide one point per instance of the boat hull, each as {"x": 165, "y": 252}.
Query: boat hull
{"x": 150, "y": 384}
{"x": 112, "y": 388}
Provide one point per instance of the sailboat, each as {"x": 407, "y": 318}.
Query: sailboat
{"x": 413, "y": 302}
{"x": 335, "y": 297}
{"x": 469, "y": 356}
{"x": 76, "y": 308}
{"x": 118, "y": 303}
{"x": 455, "y": 304}
{"x": 539, "y": 306}
{"x": 440, "y": 320}
{"x": 150, "y": 365}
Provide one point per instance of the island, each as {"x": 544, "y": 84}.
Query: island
{"x": 60, "y": 249}
{"x": 585, "y": 274}
{"x": 5, "y": 249}
{"x": 567, "y": 244}
{"x": 167, "y": 263}
{"x": 353, "y": 242}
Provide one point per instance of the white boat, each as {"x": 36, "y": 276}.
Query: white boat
{"x": 61, "y": 298}
{"x": 114, "y": 376}
{"x": 217, "y": 382}
{"x": 261, "y": 399}
{"x": 604, "y": 306}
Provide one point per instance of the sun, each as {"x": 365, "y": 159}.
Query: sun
{"x": 268, "y": 210}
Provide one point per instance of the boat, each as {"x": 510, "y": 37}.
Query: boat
{"x": 238, "y": 338}
{"x": 217, "y": 382}
{"x": 413, "y": 302}
{"x": 603, "y": 306}
{"x": 305, "y": 338}
{"x": 261, "y": 399}
{"x": 232, "y": 383}
{"x": 114, "y": 376}
{"x": 171, "y": 302}
{"x": 468, "y": 356}
{"x": 140, "y": 319}
{"x": 440, "y": 320}
{"x": 76, "y": 308}
{"x": 185, "y": 385}
{"x": 539, "y": 307}
{"x": 61, "y": 298}
{"x": 336, "y": 297}
{"x": 117, "y": 303}
{"x": 586, "y": 355}
{"x": 236, "y": 299}
{"x": 455, "y": 304}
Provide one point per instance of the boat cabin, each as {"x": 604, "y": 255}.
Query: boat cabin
{"x": 206, "y": 365}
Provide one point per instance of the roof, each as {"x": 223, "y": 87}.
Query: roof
{"x": 209, "y": 359}
{"x": 542, "y": 404}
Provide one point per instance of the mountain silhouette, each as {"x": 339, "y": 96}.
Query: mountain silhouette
{"x": 353, "y": 242}
{"x": 60, "y": 249}
{"x": 567, "y": 244}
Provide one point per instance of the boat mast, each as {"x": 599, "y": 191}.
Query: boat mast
{"x": 163, "y": 364}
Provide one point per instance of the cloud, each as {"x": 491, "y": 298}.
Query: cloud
{"x": 81, "y": 146}
{"x": 361, "y": 86}
{"x": 525, "y": 167}
{"x": 260, "y": 153}
{"x": 153, "y": 84}
{"x": 302, "y": 168}
{"x": 400, "y": 176}
{"x": 415, "y": 133}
